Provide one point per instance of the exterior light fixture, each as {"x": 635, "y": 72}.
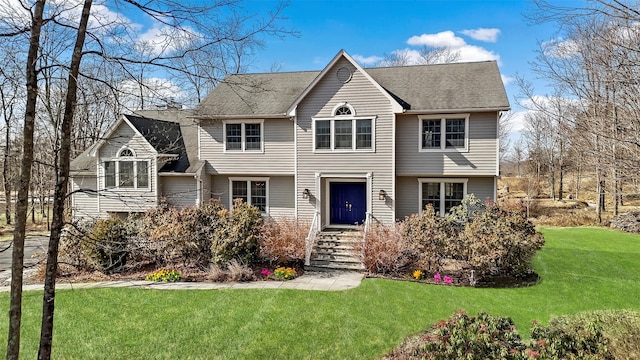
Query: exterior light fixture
{"x": 305, "y": 194}
{"x": 382, "y": 195}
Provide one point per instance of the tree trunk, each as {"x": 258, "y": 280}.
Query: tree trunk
{"x": 17, "y": 261}
{"x": 603, "y": 197}
{"x": 553, "y": 184}
{"x": 560, "y": 186}
{"x": 62, "y": 183}
{"x": 599, "y": 196}
{"x": 33, "y": 207}
{"x": 5, "y": 174}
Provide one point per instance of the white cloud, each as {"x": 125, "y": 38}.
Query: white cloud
{"x": 517, "y": 121}
{"x": 482, "y": 34}
{"x": 560, "y": 48}
{"x": 412, "y": 56}
{"x": 506, "y": 80}
{"x": 447, "y": 39}
{"x": 367, "y": 60}
{"x": 440, "y": 40}
{"x": 156, "y": 91}
{"x": 477, "y": 53}
{"x": 163, "y": 39}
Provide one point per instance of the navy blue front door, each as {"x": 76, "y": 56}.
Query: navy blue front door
{"x": 348, "y": 202}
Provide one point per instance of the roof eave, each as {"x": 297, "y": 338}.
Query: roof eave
{"x": 73, "y": 173}
{"x": 168, "y": 173}
{"x": 238, "y": 116}
{"x": 457, "y": 110}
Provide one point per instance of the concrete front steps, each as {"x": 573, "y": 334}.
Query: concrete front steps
{"x": 337, "y": 249}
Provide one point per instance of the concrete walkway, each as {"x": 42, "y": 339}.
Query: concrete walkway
{"x": 329, "y": 281}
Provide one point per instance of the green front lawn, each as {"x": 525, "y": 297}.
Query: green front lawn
{"x": 582, "y": 269}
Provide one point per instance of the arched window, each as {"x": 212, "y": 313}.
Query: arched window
{"x": 126, "y": 153}
{"x": 343, "y": 110}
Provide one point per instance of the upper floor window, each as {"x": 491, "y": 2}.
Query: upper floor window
{"x": 344, "y": 131}
{"x": 349, "y": 134}
{"x": 243, "y": 136}
{"x": 343, "y": 110}
{"x": 126, "y": 172}
{"x": 442, "y": 194}
{"x": 444, "y": 133}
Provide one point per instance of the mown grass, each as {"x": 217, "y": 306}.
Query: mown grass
{"x": 583, "y": 269}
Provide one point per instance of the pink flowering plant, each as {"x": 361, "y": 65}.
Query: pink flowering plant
{"x": 437, "y": 278}
{"x": 265, "y": 272}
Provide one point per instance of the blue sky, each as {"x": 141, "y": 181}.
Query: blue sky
{"x": 367, "y": 29}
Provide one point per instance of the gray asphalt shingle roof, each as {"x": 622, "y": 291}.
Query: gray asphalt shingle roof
{"x": 168, "y": 131}
{"x": 256, "y": 94}
{"x": 475, "y": 85}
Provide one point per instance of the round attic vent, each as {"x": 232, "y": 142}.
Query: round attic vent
{"x": 344, "y": 74}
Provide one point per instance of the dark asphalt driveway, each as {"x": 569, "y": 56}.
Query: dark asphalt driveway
{"x": 32, "y": 245}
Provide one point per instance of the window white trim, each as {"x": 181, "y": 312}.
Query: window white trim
{"x": 117, "y": 162}
{"x": 243, "y": 148}
{"x": 249, "y": 180}
{"x": 443, "y": 132}
{"x": 344, "y": 104}
{"x": 441, "y": 181}
{"x": 354, "y": 135}
{"x": 126, "y": 157}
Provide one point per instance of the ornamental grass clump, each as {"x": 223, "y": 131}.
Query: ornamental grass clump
{"x": 164, "y": 275}
{"x": 285, "y": 273}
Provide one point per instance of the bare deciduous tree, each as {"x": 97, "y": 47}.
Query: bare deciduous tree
{"x": 54, "y": 75}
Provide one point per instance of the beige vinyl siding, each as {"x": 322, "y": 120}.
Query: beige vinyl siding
{"x": 205, "y": 183}
{"x": 481, "y": 159}
{"x": 127, "y": 200}
{"x": 277, "y": 157}
{"x": 482, "y": 188}
{"x": 179, "y": 190}
{"x": 84, "y": 203}
{"x": 408, "y": 202}
{"x": 367, "y": 100}
{"x": 281, "y": 195}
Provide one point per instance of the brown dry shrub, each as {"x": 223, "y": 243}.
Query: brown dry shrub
{"x": 216, "y": 273}
{"x": 386, "y": 250}
{"x": 283, "y": 241}
{"x": 239, "y": 272}
{"x": 629, "y": 222}
{"x": 569, "y": 218}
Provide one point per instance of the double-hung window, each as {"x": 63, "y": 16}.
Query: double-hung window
{"x": 250, "y": 190}
{"x": 441, "y": 194}
{"x": 449, "y": 133}
{"x": 126, "y": 172}
{"x": 243, "y": 136}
